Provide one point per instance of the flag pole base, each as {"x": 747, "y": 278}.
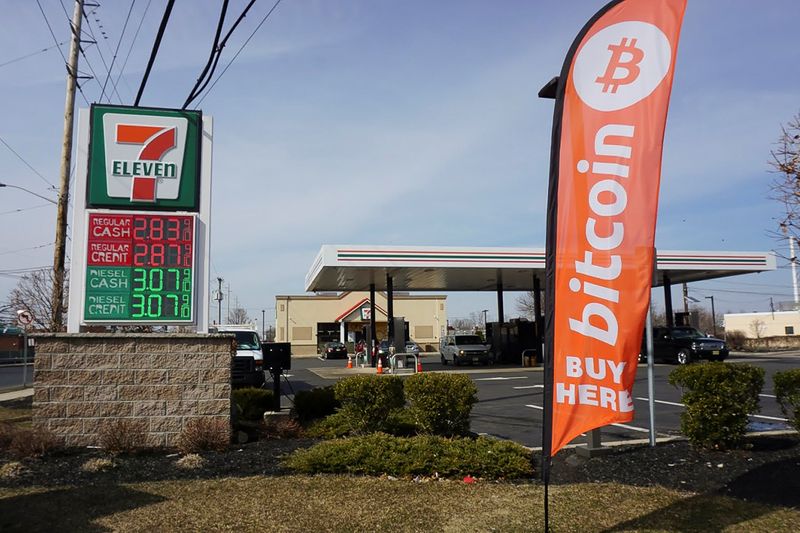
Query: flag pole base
{"x": 594, "y": 446}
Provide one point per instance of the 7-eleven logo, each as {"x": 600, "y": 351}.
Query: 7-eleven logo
{"x": 144, "y": 155}
{"x": 156, "y": 142}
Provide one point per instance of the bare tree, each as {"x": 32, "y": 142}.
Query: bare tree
{"x": 757, "y": 328}
{"x": 525, "y": 305}
{"x": 786, "y": 186}
{"x": 269, "y": 335}
{"x": 239, "y": 316}
{"x": 34, "y": 293}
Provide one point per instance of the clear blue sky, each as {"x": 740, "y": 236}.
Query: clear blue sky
{"x": 406, "y": 122}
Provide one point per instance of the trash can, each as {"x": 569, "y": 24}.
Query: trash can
{"x": 529, "y": 358}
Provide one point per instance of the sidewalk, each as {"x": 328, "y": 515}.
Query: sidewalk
{"x": 15, "y": 394}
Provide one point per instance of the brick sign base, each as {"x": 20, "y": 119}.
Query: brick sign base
{"x": 83, "y": 381}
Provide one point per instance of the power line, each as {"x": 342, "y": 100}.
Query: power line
{"x": 130, "y": 48}
{"x": 21, "y": 209}
{"x": 26, "y": 163}
{"x": 99, "y": 52}
{"x": 154, "y": 52}
{"x": 26, "y": 56}
{"x": 238, "y": 52}
{"x": 27, "y": 249}
{"x": 215, "y": 52}
{"x": 113, "y": 59}
{"x": 66, "y": 63}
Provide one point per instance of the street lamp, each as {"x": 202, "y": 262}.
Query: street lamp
{"x": 29, "y": 192}
{"x": 713, "y": 315}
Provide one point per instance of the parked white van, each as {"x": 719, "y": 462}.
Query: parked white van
{"x": 464, "y": 349}
{"x": 247, "y": 369}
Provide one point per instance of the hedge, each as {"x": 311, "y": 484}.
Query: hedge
{"x": 718, "y": 398}
{"x": 368, "y": 401}
{"x": 440, "y": 404}
{"x": 379, "y": 454}
{"x": 787, "y": 390}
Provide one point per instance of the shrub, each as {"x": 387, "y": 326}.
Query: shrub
{"x": 379, "y": 454}
{"x": 98, "y": 464}
{"x": 251, "y": 403}
{"x": 718, "y": 398}
{"x": 787, "y": 391}
{"x": 7, "y": 432}
{"x": 315, "y": 404}
{"x": 12, "y": 470}
{"x": 121, "y": 435}
{"x": 204, "y": 434}
{"x": 33, "y": 443}
{"x": 334, "y": 426}
{"x": 281, "y": 427}
{"x": 190, "y": 462}
{"x": 441, "y": 403}
{"x": 368, "y": 400}
{"x": 735, "y": 339}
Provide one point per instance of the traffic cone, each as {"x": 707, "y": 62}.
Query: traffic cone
{"x": 380, "y": 365}
{"x": 419, "y": 365}
{"x": 349, "y": 362}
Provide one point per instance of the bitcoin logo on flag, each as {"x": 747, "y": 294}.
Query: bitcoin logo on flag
{"x": 620, "y": 65}
{"x": 624, "y": 56}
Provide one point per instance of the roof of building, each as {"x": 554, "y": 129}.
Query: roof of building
{"x": 441, "y": 268}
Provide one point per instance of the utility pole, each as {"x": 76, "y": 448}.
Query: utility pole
{"x": 228, "y": 318}
{"x": 218, "y": 297}
{"x": 57, "y": 311}
{"x": 713, "y": 315}
{"x": 263, "y": 324}
{"x": 686, "y": 298}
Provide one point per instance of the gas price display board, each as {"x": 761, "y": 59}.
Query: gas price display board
{"x": 139, "y": 267}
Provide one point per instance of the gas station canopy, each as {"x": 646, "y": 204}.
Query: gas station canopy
{"x": 439, "y": 268}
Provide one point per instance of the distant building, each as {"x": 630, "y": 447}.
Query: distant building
{"x": 307, "y": 321}
{"x": 767, "y": 324}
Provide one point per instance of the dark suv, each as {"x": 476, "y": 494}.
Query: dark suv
{"x": 683, "y": 345}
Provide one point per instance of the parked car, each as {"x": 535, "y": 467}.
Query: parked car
{"x": 462, "y": 349}
{"x": 683, "y": 345}
{"x": 412, "y": 348}
{"x": 333, "y": 350}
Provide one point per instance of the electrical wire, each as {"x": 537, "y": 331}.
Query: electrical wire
{"x": 27, "y": 249}
{"x": 216, "y": 57}
{"x": 237, "y": 53}
{"x": 154, "y": 52}
{"x": 26, "y": 163}
{"x": 26, "y": 56}
{"x": 21, "y": 209}
{"x": 119, "y": 42}
{"x": 215, "y": 52}
{"x": 88, "y": 26}
{"x": 130, "y": 48}
{"x": 66, "y": 63}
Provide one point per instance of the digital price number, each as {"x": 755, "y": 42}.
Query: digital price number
{"x": 139, "y": 268}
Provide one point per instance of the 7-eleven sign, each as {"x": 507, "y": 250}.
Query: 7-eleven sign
{"x": 143, "y": 157}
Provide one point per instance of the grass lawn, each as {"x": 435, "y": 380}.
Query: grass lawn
{"x": 334, "y": 503}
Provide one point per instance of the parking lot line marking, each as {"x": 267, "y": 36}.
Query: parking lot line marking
{"x": 768, "y": 395}
{"x": 632, "y": 428}
{"x": 765, "y": 417}
{"x": 501, "y": 378}
{"x": 529, "y": 387}
{"x": 661, "y": 401}
{"x": 535, "y": 407}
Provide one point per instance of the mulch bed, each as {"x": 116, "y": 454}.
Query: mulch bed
{"x": 767, "y": 471}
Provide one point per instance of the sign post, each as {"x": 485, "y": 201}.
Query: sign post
{"x": 25, "y": 318}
